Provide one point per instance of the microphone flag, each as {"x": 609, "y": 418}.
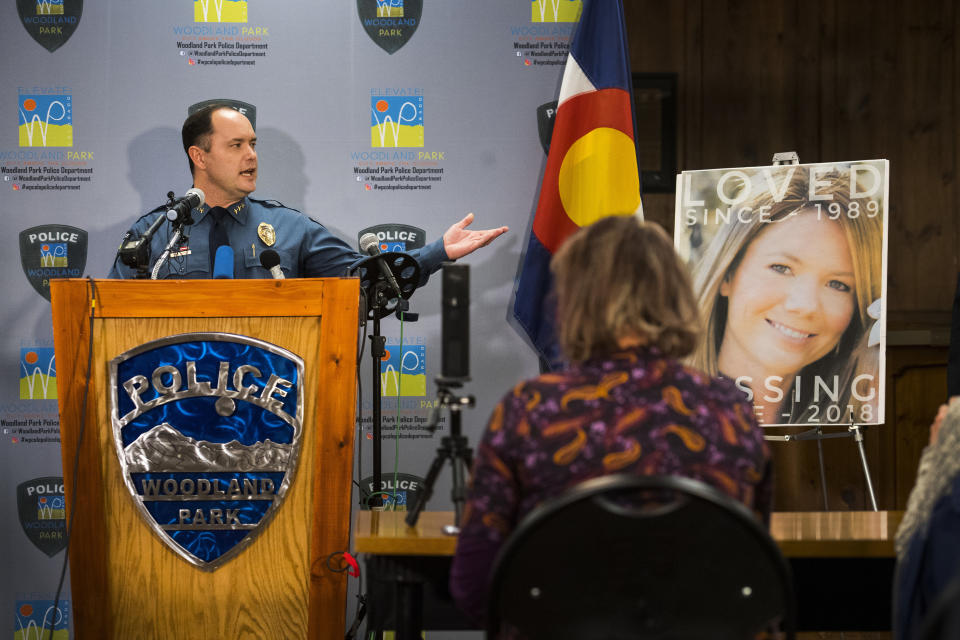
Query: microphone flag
{"x": 223, "y": 263}
{"x": 591, "y": 171}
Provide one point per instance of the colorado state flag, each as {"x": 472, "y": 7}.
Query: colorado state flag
{"x": 591, "y": 170}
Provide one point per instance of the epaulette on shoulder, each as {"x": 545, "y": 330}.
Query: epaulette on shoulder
{"x": 272, "y": 204}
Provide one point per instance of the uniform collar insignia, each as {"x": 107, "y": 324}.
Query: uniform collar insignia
{"x": 237, "y": 210}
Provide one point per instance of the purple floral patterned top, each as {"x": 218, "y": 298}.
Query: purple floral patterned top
{"x": 634, "y": 412}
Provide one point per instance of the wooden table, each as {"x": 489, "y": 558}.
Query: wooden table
{"x": 385, "y": 533}
{"x": 842, "y": 561}
{"x": 836, "y": 534}
{"x": 807, "y": 534}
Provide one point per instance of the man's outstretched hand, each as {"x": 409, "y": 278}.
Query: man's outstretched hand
{"x": 458, "y": 241}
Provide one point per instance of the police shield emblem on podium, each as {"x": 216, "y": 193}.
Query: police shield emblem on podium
{"x": 50, "y": 22}
{"x": 207, "y": 427}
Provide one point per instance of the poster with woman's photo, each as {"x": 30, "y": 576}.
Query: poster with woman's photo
{"x": 789, "y": 267}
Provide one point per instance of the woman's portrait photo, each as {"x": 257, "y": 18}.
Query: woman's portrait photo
{"x": 788, "y": 266}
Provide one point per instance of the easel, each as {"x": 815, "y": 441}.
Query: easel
{"x": 852, "y": 430}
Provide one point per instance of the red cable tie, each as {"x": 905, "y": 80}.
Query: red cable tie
{"x": 354, "y": 568}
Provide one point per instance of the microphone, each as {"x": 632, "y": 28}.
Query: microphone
{"x": 370, "y": 245}
{"x": 180, "y": 211}
{"x": 135, "y": 252}
{"x": 270, "y": 260}
{"x": 223, "y": 263}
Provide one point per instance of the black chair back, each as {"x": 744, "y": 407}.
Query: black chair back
{"x": 641, "y": 557}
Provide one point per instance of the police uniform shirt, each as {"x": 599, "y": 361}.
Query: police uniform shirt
{"x": 305, "y": 247}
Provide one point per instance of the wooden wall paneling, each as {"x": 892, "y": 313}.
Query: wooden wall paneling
{"x": 796, "y": 479}
{"x": 954, "y": 170}
{"x": 657, "y": 45}
{"x": 886, "y": 475}
{"x": 923, "y": 222}
{"x": 860, "y": 73}
{"x": 690, "y": 88}
{"x": 808, "y": 43}
{"x": 748, "y": 75}
{"x": 653, "y": 28}
{"x": 827, "y": 106}
{"x": 916, "y": 386}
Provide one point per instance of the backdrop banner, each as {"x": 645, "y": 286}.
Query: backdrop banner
{"x": 397, "y": 115}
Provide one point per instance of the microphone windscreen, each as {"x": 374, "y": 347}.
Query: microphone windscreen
{"x": 223, "y": 262}
{"x": 369, "y": 244}
{"x": 269, "y": 259}
{"x": 198, "y": 194}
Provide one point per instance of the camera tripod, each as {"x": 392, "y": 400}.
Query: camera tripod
{"x": 453, "y": 449}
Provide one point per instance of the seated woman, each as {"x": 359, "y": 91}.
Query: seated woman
{"x": 928, "y": 540}
{"x": 626, "y": 313}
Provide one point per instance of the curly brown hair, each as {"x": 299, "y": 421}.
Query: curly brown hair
{"x": 621, "y": 278}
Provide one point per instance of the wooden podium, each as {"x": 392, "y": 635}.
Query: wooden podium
{"x": 126, "y": 582}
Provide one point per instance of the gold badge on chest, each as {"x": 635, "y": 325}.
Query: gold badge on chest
{"x": 267, "y": 234}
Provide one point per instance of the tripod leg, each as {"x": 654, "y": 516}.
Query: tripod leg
{"x": 423, "y": 496}
{"x": 459, "y": 491}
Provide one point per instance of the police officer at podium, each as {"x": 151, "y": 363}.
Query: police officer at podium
{"x": 220, "y": 143}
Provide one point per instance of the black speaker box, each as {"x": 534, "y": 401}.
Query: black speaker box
{"x": 455, "y": 328}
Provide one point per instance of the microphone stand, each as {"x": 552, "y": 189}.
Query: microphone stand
{"x": 382, "y": 301}
{"x": 179, "y": 232}
{"x": 174, "y": 239}
{"x": 378, "y": 342}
